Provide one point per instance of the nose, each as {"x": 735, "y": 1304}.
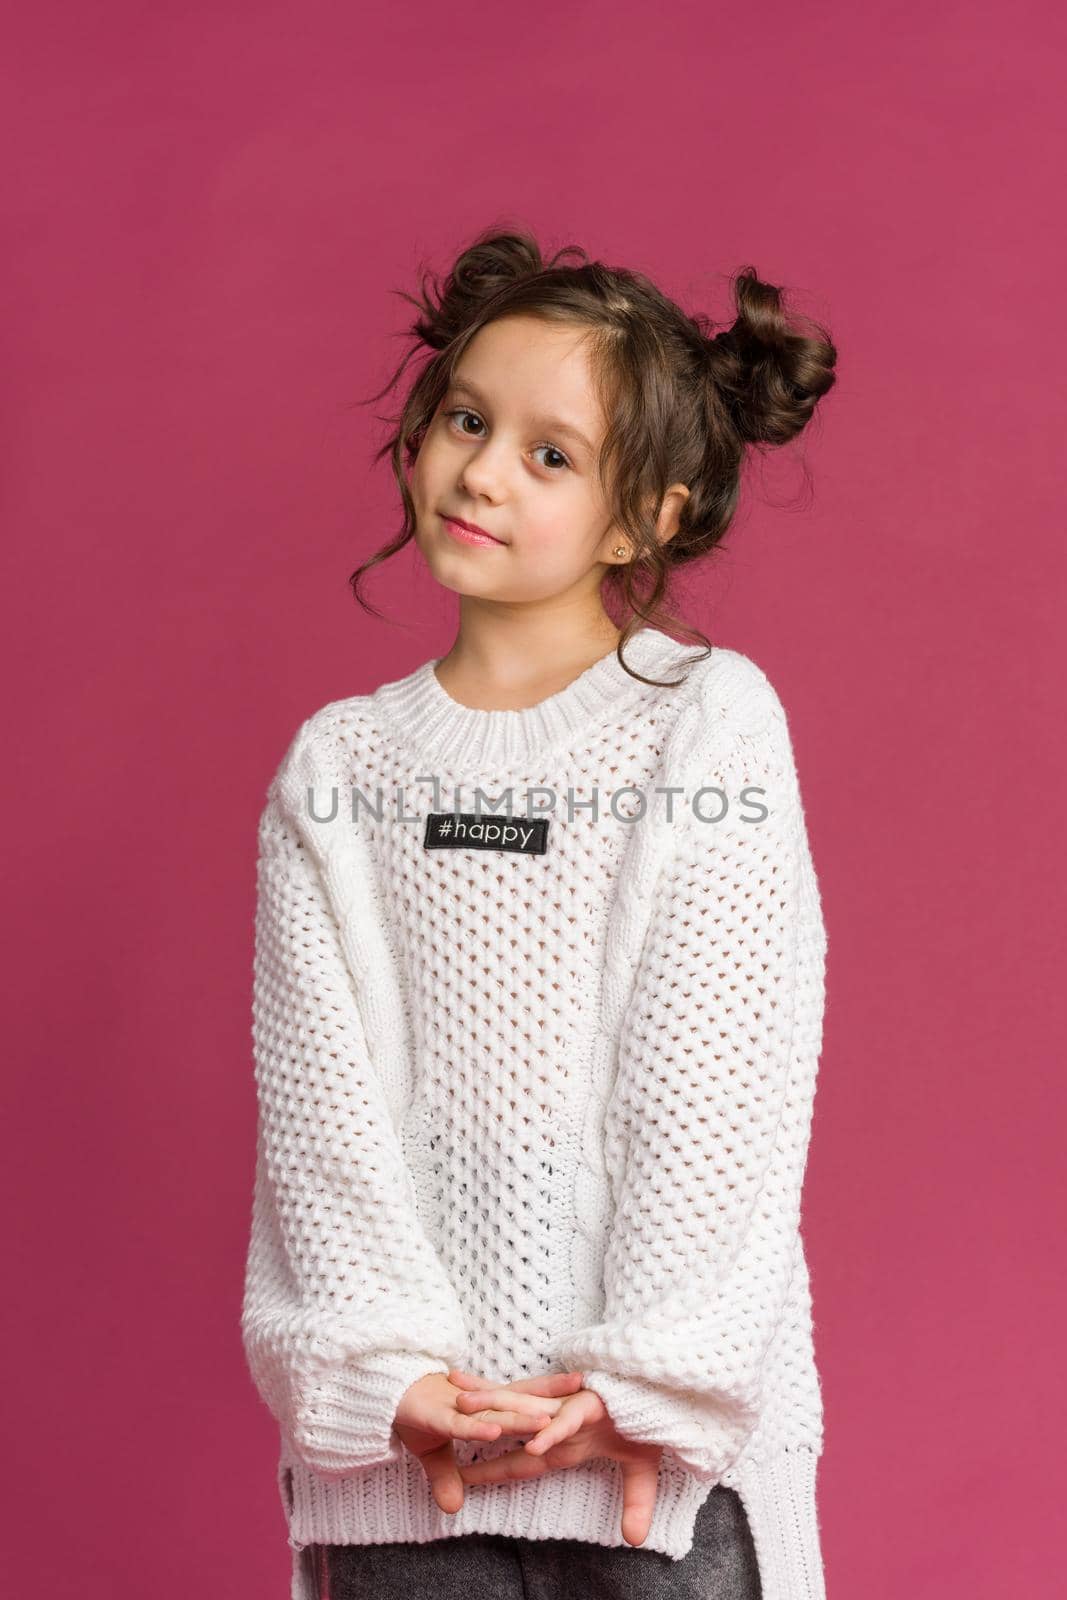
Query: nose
{"x": 483, "y": 473}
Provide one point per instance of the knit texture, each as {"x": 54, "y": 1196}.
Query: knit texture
{"x": 528, "y": 1112}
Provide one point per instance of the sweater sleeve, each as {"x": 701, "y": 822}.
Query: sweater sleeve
{"x": 707, "y": 1124}
{"x": 345, "y": 1301}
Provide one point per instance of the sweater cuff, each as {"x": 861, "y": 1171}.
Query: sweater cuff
{"x": 345, "y": 1421}
{"x": 706, "y": 1436}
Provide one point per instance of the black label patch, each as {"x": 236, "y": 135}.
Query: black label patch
{"x": 466, "y": 830}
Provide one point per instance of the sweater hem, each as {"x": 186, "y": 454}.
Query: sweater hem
{"x": 392, "y": 1503}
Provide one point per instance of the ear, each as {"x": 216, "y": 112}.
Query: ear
{"x": 666, "y": 526}
{"x": 670, "y": 511}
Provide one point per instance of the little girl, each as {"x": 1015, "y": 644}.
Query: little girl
{"x": 538, "y": 996}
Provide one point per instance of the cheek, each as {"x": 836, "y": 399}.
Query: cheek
{"x": 424, "y": 479}
{"x": 564, "y": 537}
{"x": 421, "y": 461}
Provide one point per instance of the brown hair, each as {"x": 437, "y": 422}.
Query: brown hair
{"x": 681, "y": 402}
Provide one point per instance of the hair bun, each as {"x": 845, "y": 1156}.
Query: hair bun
{"x": 495, "y": 261}
{"x": 769, "y": 367}
{"x": 491, "y": 263}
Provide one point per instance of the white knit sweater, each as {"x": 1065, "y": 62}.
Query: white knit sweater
{"x": 540, "y": 1103}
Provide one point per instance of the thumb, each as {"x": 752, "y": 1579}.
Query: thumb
{"x": 639, "y": 1482}
{"x": 446, "y": 1483}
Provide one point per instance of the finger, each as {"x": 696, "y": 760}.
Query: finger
{"x": 446, "y": 1484}
{"x": 639, "y": 1482}
{"x": 483, "y": 1428}
{"x": 509, "y": 1423}
{"x": 551, "y": 1383}
{"x": 496, "y": 1422}
{"x": 562, "y": 1426}
{"x": 501, "y": 1469}
{"x": 506, "y": 1399}
{"x": 524, "y": 1422}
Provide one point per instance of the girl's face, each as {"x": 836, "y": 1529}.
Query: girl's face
{"x": 512, "y": 449}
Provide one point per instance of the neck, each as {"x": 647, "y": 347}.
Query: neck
{"x": 433, "y": 723}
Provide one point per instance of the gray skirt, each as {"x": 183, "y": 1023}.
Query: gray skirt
{"x": 721, "y": 1565}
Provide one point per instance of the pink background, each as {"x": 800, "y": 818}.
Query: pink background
{"x": 207, "y": 208}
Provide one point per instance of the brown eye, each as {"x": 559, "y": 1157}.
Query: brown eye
{"x": 463, "y": 412}
{"x": 553, "y": 451}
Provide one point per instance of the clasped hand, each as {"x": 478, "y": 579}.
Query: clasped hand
{"x": 567, "y": 1424}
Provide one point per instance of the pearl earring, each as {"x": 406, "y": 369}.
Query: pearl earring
{"x": 619, "y": 550}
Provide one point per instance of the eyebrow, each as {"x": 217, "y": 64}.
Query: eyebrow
{"x": 550, "y": 424}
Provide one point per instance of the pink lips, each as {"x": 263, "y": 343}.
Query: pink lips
{"x": 468, "y": 532}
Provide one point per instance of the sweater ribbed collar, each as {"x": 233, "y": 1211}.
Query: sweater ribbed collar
{"x": 435, "y": 725}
